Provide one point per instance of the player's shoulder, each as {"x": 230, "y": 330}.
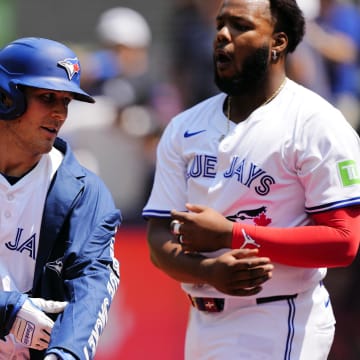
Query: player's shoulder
{"x": 197, "y": 116}
{"x": 312, "y": 111}
{"x": 307, "y": 99}
{"x": 202, "y": 108}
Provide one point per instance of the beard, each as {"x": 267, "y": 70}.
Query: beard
{"x": 252, "y": 75}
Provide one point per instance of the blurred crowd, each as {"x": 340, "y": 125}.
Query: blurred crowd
{"x": 119, "y": 134}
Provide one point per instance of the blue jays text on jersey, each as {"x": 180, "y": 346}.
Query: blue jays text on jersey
{"x": 27, "y": 245}
{"x": 245, "y": 172}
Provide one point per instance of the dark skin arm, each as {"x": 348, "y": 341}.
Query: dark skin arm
{"x": 332, "y": 240}
{"x": 202, "y": 223}
{"x": 236, "y": 272}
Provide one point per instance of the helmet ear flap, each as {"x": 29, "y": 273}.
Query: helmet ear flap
{"x": 12, "y": 100}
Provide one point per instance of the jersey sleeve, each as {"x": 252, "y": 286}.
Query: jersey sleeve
{"x": 328, "y": 162}
{"x": 169, "y": 187}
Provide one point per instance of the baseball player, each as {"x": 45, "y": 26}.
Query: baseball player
{"x": 57, "y": 219}
{"x": 263, "y": 184}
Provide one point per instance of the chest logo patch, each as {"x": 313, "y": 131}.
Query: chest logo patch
{"x": 349, "y": 172}
{"x": 257, "y": 215}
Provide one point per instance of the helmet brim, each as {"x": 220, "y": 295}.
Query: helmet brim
{"x": 56, "y": 84}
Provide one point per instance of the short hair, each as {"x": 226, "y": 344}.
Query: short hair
{"x": 289, "y": 19}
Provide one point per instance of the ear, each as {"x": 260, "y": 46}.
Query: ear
{"x": 12, "y": 100}
{"x": 280, "y": 42}
{"x": 5, "y": 100}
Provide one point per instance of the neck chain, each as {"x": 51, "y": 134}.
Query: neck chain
{"x": 228, "y": 113}
{"x": 275, "y": 94}
{"x": 228, "y": 107}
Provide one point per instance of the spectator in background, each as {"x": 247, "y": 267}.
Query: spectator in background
{"x": 192, "y": 32}
{"x": 118, "y": 134}
{"x": 327, "y": 60}
{"x": 342, "y": 19}
{"x": 307, "y": 65}
{"x": 120, "y": 69}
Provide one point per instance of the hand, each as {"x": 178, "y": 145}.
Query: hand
{"x": 203, "y": 229}
{"x": 32, "y": 327}
{"x": 238, "y": 272}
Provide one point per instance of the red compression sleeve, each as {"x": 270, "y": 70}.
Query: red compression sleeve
{"x": 332, "y": 242}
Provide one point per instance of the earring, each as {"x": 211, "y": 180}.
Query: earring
{"x": 274, "y": 55}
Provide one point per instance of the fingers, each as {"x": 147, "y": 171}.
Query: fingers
{"x": 32, "y": 327}
{"x": 247, "y": 283}
{"x": 183, "y": 215}
{"x": 40, "y": 346}
{"x": 244, "y": 253}
{"x": 178, "y": 215}
{"x": 254, "y": 262}
{"x": 54, "y": 307}
{"x": 253, "y": 270}
{"x": 43, "y": 340}
{"x": 33, "y": 330}
{"x": 49, "y": 306}
{"x": 245, "y": 276}
{"x": 251, "y": 277}
{"x": 195, "y": 208}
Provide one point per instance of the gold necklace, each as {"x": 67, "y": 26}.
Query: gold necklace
{"x": 275, "y": 94}
{"x": 228, "y": 113}
{"x": 228, "y": 107}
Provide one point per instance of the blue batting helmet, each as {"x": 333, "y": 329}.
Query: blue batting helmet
{"x": 40, "y": 63}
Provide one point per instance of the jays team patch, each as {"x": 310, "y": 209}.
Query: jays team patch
{"x": 71, "y": 66}
{"x": 349, "y": 172}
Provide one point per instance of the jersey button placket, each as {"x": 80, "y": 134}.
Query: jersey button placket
{"x": 8, "y": 213}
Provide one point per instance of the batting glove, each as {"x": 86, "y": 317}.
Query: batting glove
{"x": 32, "y": 327}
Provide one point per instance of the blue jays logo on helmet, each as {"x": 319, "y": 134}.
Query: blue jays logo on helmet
{"x": 72, "y": 66}
{"x": 40, "y": 63}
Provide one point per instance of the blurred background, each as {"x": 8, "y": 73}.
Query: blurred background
{"x": 145, "y": 61}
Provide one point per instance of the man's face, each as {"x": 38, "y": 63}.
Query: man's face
{"x": 46, "y": 111}
{"x": 242, "y": 45}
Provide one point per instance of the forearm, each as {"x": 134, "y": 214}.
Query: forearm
{"x": 181, "y": 266}
{"x": 95, "y": 283}
{"x": 332, "y": 244}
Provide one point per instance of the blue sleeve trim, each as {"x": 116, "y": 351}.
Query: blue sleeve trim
{"x": 156, "y": 213}
{"x": 334, "y": 205}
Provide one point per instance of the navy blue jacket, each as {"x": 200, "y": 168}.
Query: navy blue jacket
{"x": 75, "y": 260}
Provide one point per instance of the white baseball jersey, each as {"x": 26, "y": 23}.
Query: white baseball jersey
{"x": 21, "y": 210}
{"x": 295, "y": 156}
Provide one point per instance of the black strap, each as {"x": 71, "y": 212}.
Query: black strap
{"x": 275, "y": 298}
